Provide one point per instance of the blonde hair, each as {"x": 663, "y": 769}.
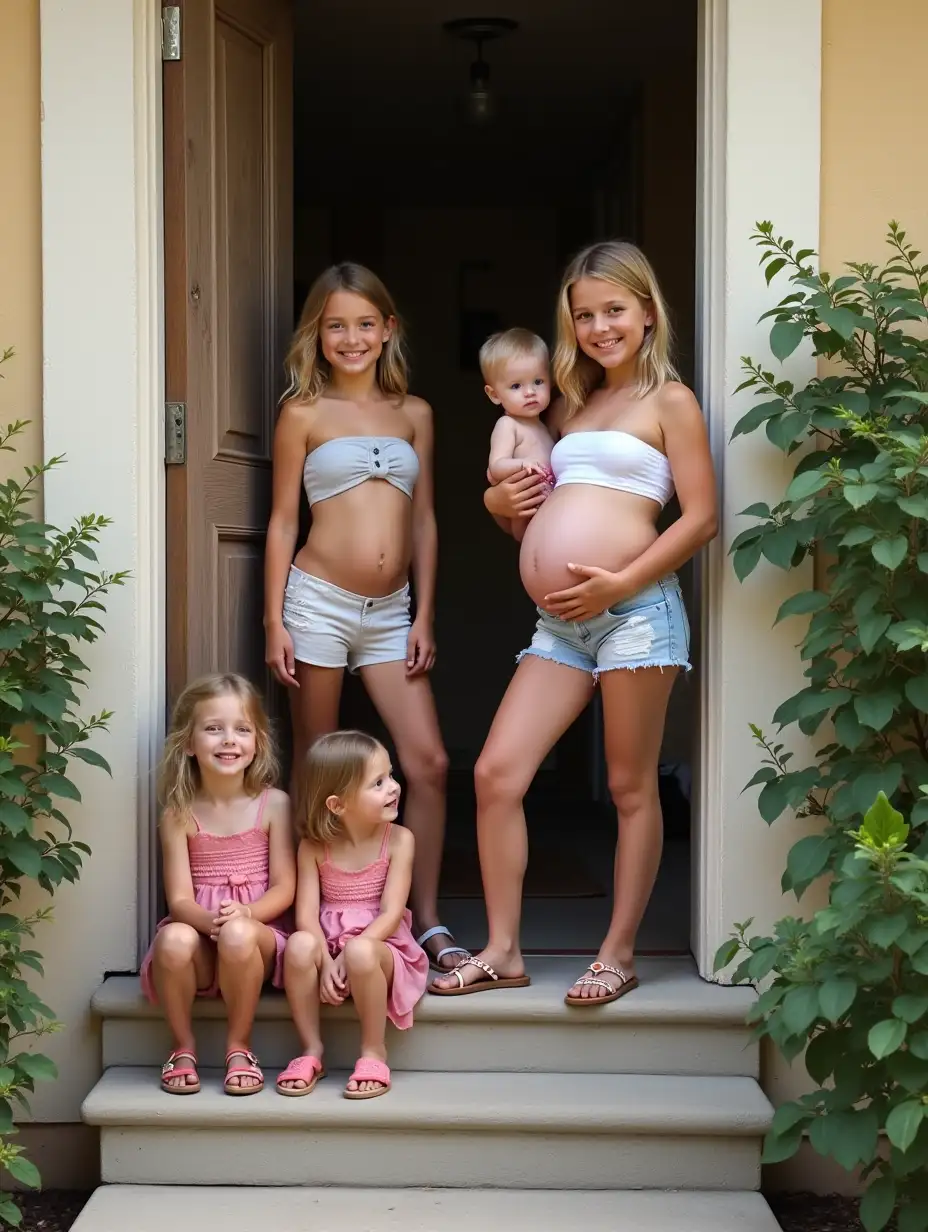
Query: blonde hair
{"x": 334, "y": 766}
{"x": 179, "y": 773}
{"x": 624, "y": 265}
{"x": 308, "y": 371}
{"x": 507, "y": 345}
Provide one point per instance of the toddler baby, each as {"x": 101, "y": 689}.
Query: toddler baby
{"x": 514, "y": 365}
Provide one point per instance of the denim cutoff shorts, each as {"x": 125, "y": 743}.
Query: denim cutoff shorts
{"x": 650, "y": 629}
{"x": 331, "y": 627}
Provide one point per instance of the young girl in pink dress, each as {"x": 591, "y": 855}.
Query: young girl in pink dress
{"x": 354, "y": 937}
{"x": 229, "y": 875}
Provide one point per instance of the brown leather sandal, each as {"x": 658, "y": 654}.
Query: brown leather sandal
{"x": 612, "y": 993}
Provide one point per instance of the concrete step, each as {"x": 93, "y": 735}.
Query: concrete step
{"x": 517, "y": 1130}
{"x": 675, "y": 1023}
{"x": 116, "y": 1208}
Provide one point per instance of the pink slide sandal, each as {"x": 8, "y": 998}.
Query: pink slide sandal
{"x": 369, "y": 1069}
{"x": 301, "y": 1069}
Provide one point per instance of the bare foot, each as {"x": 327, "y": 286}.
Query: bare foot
{"x": 240, "y": 1058}
{"x": 593, "y": 992}
{"x": 506, "y": 966}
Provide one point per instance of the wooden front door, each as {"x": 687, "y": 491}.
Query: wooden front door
{"x": 228, "y": 314}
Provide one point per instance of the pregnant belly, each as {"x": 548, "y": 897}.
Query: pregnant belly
{"x": 583, "y": 525}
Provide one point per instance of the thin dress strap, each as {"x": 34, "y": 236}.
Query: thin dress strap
{"x": 261, "y": 805}
{"x": 386, "y": 841}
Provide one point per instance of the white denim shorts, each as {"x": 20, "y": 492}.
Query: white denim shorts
{"x": 331, "y": 627}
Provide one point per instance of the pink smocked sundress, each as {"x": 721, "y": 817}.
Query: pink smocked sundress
{"x": 351, "y": 901}
{"x": 232, "y": 866}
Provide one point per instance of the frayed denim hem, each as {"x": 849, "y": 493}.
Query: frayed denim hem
{"x": 596, "y": 672}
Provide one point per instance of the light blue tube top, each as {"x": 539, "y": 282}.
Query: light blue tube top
{"x": 345, "y": 461}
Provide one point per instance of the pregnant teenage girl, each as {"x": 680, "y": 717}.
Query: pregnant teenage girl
{"x": 609, "y": 604}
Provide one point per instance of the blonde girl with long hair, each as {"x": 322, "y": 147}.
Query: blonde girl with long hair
{"x": 610, "y": 611}
{"x": 361, "y": 445}
{"x": 353, "y": 935}
{"x": 229, "y": 875}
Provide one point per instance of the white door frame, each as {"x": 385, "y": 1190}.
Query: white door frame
{"x": 759, "y": 156}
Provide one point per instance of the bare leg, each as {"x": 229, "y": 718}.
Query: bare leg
{"x": 246, "y": 953}
{"x": 541, "y": 702}
{"x": 182, "y": 961}
{"x": 313, "y": 710}
{"x": 407, "y": 708}
{"x": 634, "y": 709}
{"x": 301, "y": 983}
{"x": 369, "y": 966}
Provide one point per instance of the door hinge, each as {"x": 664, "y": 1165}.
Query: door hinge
{"x": 170, "y": 32}
{"x": 175, "y": 433}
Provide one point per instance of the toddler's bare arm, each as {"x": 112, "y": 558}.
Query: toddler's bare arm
{"x": 503, "y": 443}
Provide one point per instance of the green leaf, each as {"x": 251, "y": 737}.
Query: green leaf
{"x": 806, "y": 484}
{"x": 14, "y": 818}
{"x": 903, "y": 1123}
{"x": 878, "y": 1203}
{"x": 802, "y": 604}
{"x": 916, "y": 690}
{"x": 848, "y": 728}
{"x": 909, "y": 1007}
{"x": 918, "y": 1045}
{"x": 856, "y": 536}
{"x": 808, "y": 858}
{"x": 37, "y": 1066}
{"x": 859, "y": 494}
{"x": 778, "y": 1147}
{"x": 875, "y": 710}
{"x": 836, "y": 997}
{"x": 841, "y": 320}
{"x": 773, "y": 268}
{"x": 890, "y": 553}
{"x": 884, "y": 825}
{"x": 871, "y": 629}
{"x": 24, "y": 1171}
{"x": 92, "y": 758}
{"x": 785, "y": 337}
{"x": 914, "y": 506}
{"x": 10, "y": 1212}
{"x": 24, "y": 855}
{"x": 800, "y": 1008}
{"x": 726, "y": 954}
{"x": 752, "y": 421}
{"x": 886, "y": 930}
{"x": 886, "y": 1037}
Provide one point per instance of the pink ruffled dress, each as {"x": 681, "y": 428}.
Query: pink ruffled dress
{"x": 351, "y": 901}
{"x": 235, "y": 866}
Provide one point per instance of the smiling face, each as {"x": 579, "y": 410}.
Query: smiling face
{"x": 376, "y": 798}
{"x": 223, "y": 737}
{"x": 610, "y": 322}
{"x": 352, "y": 333}
{"x": 521, "y": 386}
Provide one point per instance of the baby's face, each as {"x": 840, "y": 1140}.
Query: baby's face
{"x": 522, "y": 387}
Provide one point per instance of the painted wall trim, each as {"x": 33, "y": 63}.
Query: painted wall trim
{"x": 759, "y": 157}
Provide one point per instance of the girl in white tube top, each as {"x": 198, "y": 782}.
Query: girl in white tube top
{"x": 362, "y": 447}
{"x": 609, "y": 605}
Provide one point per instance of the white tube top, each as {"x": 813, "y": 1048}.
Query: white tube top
{"x": 613, "y": 459}
{"x": 345, "y": 461}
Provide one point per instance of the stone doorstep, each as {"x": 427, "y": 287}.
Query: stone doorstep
{"x": 118, "y": 1208}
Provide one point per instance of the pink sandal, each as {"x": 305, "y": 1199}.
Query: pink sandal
{"x": 170, "y": 1069}
{"x": 301, "y": 1069}
{"x": 369, "y": 1069}
{"x": 251, "y": 1070}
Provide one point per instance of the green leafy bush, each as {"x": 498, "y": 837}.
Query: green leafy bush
{"x": 48, "y": 602}
{"x": 858, "y": 502}
{"x": 850, "y": 987}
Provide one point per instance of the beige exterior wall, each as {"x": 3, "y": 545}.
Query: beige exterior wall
{"x": 873, "y": 170}
{"x": 20, "y": 227}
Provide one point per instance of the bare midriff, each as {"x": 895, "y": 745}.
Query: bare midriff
{"x": 361, "y": 540}
{"x": 582, "y": 524}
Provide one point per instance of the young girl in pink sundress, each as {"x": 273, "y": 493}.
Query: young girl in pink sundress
{"x": 229, "y": 875}
{"x": 353, "y": 935}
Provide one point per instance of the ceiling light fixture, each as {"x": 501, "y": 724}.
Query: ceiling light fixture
{"x": 480, "y": 30}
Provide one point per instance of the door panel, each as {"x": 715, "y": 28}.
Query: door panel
{"x": 228, "y": 313}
